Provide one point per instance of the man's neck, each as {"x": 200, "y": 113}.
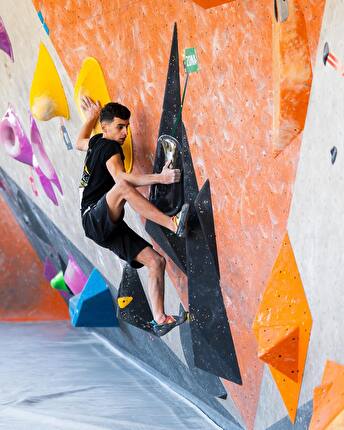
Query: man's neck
{"x": 105, "y": 136}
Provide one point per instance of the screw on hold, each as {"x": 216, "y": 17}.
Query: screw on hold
{"x": 333, "y": 154}
{"x": 325, "y": 53}
{"x": 66, "y": 137}
{"x": 330, "y": 58}
{"x": 281, "y": 10}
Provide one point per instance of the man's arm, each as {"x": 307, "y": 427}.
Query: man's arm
{"x": 116, "y": 168}
{"x": 91, "y": 111}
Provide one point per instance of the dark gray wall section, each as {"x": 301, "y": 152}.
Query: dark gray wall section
{"x": 304, "y": 415}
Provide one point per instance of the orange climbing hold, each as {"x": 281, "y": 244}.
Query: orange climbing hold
{"x": 328, "y": 402}
{"x": 279, "y": 347}
{"x": 292, "y": 77}
{"x": 283, "y": 325}
{"x": 207, "y": 4}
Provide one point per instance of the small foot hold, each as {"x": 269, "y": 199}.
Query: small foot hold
{"x": 333, "y": 154}
{"x": 326, "y": 53}
{"x": 171, "y": 321}
{"x": 281, "y": 10}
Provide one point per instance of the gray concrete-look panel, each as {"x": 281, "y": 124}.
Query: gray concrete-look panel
{"x": 316, "y": 219}
{"x": 302, "y": 421}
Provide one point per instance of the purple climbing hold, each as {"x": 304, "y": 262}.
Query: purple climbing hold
{"x": 45, "y": 182}
{"x": 74, "y": 276}
{"x": 5, "y": 43}
{"x": 41, "y": 157}
{"x": 14, "y": 139}
{"x": 49, "y": 269}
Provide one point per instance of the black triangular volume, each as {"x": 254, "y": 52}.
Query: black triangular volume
{"x": 189, "y": 177}
{"x": 209, "y": 382}
{"x": 212, "y": 340}
{"x": 169, "y": 198}
{"x": 172, "y": 98}
{"x": 171, "y": 244}
{"x": 137, "y": 312}
{"x": 204, "y": 209}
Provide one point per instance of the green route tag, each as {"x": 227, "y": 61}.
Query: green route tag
{"x": 191, "y": 60}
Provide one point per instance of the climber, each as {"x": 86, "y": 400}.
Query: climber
{"x": 105, "y": 188}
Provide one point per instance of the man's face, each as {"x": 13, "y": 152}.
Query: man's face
{"x": 116, "y": 130}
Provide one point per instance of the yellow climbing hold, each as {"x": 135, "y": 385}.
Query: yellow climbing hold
{"x": 128, "y": 152}
{"x": 47, "y": 96}
{"x": 123, "y": 302}
{"x": 91, "y": 83}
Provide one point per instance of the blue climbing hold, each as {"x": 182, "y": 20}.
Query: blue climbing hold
{"x": 94, "y": 306}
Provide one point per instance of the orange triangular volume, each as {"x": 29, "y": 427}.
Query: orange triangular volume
{"x": 207, "y": 4}
{"x": 279, "y": 347}
{"x": 319, "y": 394}
{"x": 328, "y": 402}
{"x": 123, "y": 302}
{"x": 337, "y": 423}
{"x": 284, "y": 304}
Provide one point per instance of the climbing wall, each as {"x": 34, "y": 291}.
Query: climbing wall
{"x": 259, "y": 145}
{"x": 24, "y": 292}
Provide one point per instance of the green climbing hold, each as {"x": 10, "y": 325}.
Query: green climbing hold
{"x": 58, "y": 282}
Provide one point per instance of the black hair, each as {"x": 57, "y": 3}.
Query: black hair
{"x": 112, "y": 110}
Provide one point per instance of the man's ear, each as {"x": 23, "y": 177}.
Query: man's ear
{"x": 103, "y": 126}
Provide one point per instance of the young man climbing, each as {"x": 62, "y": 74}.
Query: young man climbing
{"x": 106, "y": 187}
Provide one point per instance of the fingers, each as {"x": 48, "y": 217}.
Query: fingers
{"x": 167, "y": 164}
{"x": 170, "y": 176}
{"x": 84, "y": 103}
{"x": 88, "y": 105}
{"x": 175, "y": 176}
{"x": 88, "y": 102}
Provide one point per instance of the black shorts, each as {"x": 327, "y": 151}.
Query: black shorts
{"x": 117, "y": 237}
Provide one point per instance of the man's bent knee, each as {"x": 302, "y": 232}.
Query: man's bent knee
{"x": 124, "y": 187}
{"x": 157, "y": 263}
{"x": 151, "y": 259}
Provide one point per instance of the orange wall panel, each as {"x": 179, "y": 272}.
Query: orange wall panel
{"x": 25, "y": 295}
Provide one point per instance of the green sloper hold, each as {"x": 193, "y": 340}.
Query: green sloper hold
{"x": 58, "y": 282}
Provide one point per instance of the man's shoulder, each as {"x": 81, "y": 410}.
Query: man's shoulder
{"x": 103, "y": 142}
{"x": 111, "y": 145}
{"x": 110, "y": 142}
{"x": 95, "y": 139}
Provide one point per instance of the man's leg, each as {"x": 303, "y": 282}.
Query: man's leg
{"x": 122, "y": 192}
{"x": 156, "y": 264}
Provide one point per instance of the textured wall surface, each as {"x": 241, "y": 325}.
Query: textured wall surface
{"x": 25, "y": 294}
{"x": 228, "y": 114}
